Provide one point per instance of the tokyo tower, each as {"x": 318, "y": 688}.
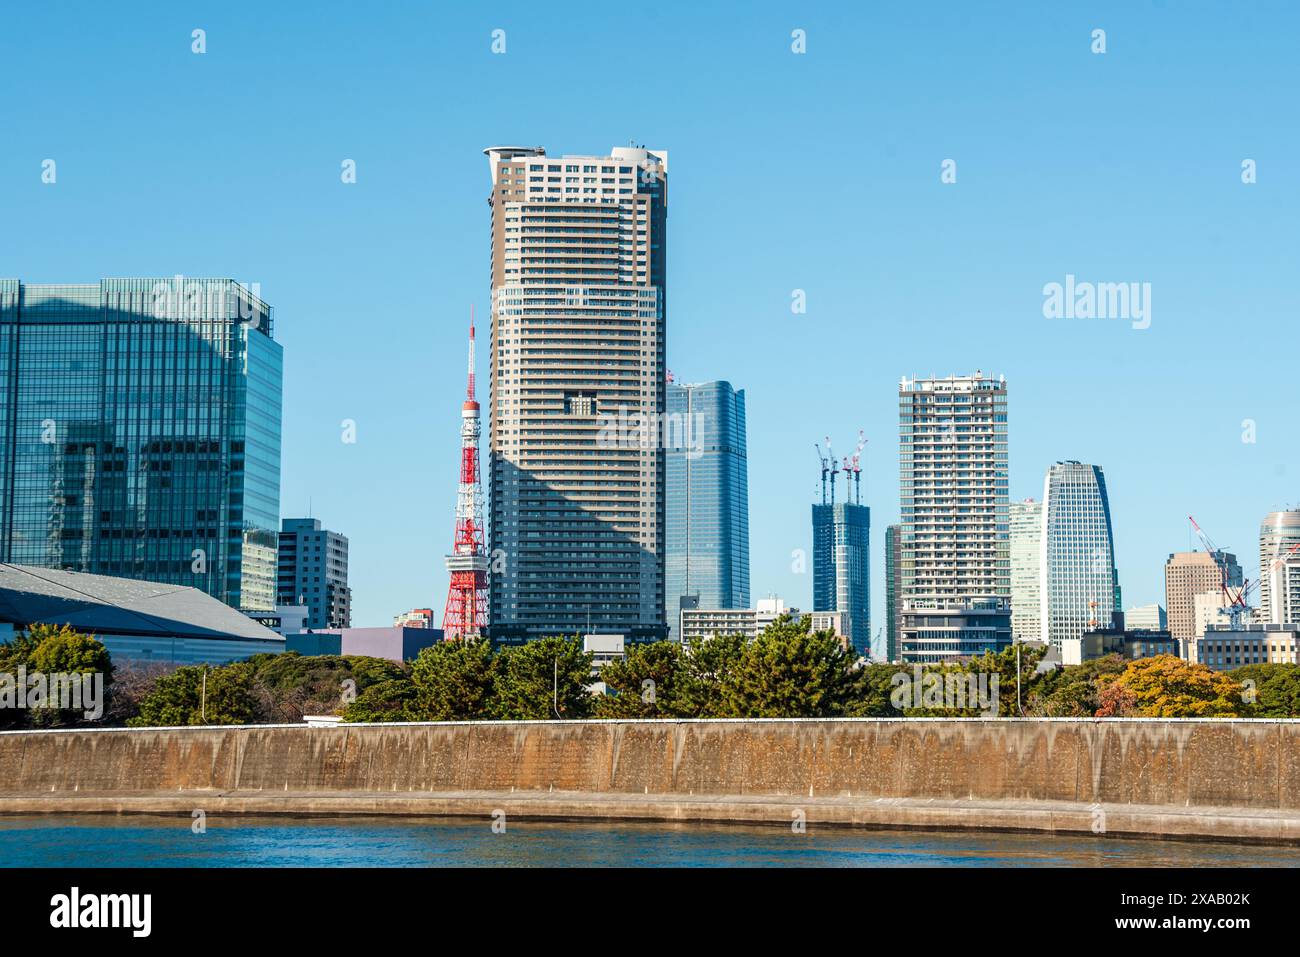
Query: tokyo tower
{"x": 466, "y": 613}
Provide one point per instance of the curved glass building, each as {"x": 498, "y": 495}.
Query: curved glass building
{"x": 1279, "y": 567}
{"x": 1078, "y": 584}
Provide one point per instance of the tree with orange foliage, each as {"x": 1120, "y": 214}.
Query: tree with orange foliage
{"x": 1168, "y": 687}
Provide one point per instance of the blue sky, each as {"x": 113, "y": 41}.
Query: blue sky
{"x": 817, "y": 172}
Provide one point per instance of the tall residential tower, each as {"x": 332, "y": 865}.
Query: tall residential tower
{"x": 1279, "y": 567}
{"x": 953, "y": 484}
{"x": 576, "y": 471}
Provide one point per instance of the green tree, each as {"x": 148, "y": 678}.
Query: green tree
{"x": 16, "y": 651}
{"x": 288, "y": 686}
{"x": 872, "y": 688}
{"x": 63, "y": 650}
{"x": 54, "y": 650}
{"x": 789, "y": 671}
{"x": 1073, "y": 691}
{"x": 453, "y": 681}
{"x": 1274, "y": 688}
{"x": 537, "y": 678}
{"x": 383, "y": 701}
{"x": 645, "y": 683}
{"x": 697, "y": 691}
{"x": 179, "y": 698}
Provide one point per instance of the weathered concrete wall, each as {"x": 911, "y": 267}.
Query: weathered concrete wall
{"x": 1241, "y": 769}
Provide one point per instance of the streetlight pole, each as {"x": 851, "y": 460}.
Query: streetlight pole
{"x": 1019, "y": 710}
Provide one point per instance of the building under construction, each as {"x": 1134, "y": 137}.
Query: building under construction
{"x": 841, "y": 548}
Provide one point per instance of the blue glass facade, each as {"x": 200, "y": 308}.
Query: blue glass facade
{"x": 140, "y": 433}
{"x": 707, "y": 507}
{"x": 841, "y": 569}
{"x": 1079, "y": 585}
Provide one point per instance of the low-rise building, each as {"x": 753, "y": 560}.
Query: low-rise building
{"x": 936, "y": 631}
{"x": 697, "y": 623}
{"x": 415, "y": 618}
{"x": 603, "y": 649}
{"x": 395, "y": 644}
{"x": 1150, "y": 617}
{"x": 832, "y": 621}
{"x": 135, "y": 620}
{"x": 1224, "y": 648}
{"x": 1129, "y": 643}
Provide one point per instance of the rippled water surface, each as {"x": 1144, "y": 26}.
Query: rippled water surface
{"x": 153, "y": 841}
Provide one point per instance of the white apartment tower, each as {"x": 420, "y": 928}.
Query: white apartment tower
{"x": 954, "y": 535}
{"x": 1026, "y": 540}
{"x": 576, "y": 471}
{"x": 1279, "y": 568}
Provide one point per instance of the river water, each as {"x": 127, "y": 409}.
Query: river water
{"x": 159, "y": 841}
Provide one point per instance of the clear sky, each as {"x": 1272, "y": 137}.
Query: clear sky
{"x": 818, "y": 172}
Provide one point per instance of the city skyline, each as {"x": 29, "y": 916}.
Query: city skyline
{"x": 381, "y": 343}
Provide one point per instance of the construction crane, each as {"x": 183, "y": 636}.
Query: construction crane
{"x": 1231, "y": 599}
{"x": 826, "y": 467}
{"x": 1237, "y": 601}
{"x": 853, "y": 469}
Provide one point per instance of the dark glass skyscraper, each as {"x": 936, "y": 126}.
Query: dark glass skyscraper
{"x": 707, "y": 499}
{"x": 893, "y": 578}
{"x": 841, "y": 570}
{"x": 140, "y": 433}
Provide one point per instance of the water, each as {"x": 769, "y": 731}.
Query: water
{"x": 159, "y": 841}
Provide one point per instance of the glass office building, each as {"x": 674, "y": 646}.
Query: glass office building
{"x": 140, "y": 433}
{"x": 707, "y": 508}
{"x": 841, "y": 568}
{"x": 1079, "y": 586}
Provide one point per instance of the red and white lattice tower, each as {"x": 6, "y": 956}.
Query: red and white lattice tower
{"x": 466, "y": 613}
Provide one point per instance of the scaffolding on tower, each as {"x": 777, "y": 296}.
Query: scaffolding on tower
{"x": 466, "y": 613}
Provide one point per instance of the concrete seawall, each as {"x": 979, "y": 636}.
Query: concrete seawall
{"x": 1208, "y": 779}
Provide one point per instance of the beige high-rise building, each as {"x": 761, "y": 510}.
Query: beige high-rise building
{"x": 576, "y": 475}
{"x": 1188, "y": 574}
{"x": 1279, "y": 568}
